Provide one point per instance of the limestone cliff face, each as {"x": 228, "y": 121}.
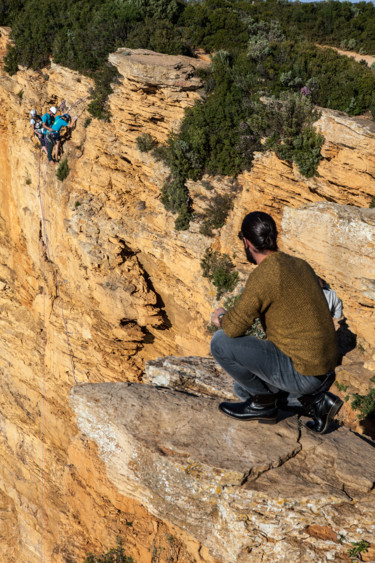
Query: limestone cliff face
{"x": 94, "y": 281}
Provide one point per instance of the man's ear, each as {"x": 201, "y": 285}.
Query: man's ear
{"x": 247, "y": 243}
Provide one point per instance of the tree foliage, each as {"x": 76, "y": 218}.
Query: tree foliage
{"x": 260, "y": 91}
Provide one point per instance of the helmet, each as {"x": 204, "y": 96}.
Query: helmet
{"x": 53, "y": 110}
{"x": 66, "y": 116}
{"x": 33, "y": 113}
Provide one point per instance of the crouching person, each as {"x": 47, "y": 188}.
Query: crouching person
{"x": 298, "y": 359}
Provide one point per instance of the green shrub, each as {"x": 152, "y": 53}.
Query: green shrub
{"x": 217, "y": 213}
{"x": 372, "y": 106}
{"x": 87, "y": 122}
{"x": 114, "y": 555}
{"x": 103, "y": 77}
{"x": 160, "y": 36}
{"x": 372, "y": 202}
{"x": 365, "y": 404}
{"x": 146, "y": 142}
{"x": 175, "y": 197}
{"x": 306, "y": 153}
{"x": 293, "y": 137}
{"x": 262, "y": 35}
{"x": 11, "y": 61}
{"x": 358, "y": 548}
{"x": 218, "y": 268}
{"x": 63, "y": 170}
{"x": 161, "y": 153}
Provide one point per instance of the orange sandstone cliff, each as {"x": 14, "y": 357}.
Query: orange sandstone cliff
{"x": 94, "y": 281}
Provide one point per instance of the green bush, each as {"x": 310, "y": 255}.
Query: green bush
{"x": 306, "y": 153}
{"x": 114, "y": 555}
{"x": 103, "y": 77}
{"x": 218, "y": 268}
{"x": 87, "y": 122}
{"x": 63, "y": 170}
{"x": 358, "y": 548}
{"x": 11, "y": 61}
{"x": 365, "y": 404}
{"x": 293, "y": 137}
{"x": 175, "y": 197}
{"x": 217, "y": 213}
{"x": 146, "y": 142}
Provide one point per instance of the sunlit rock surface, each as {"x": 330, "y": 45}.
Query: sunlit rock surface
{"x": 94, "y": 281}
{"x": 247, "y": 491}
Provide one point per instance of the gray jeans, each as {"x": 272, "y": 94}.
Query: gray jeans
{"x": 259, "y": 367}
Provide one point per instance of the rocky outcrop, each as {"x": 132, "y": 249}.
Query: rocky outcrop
{"x": 248, "y": 492}
{"x": 339, "y": 243}
{"x": 94, "y": 281}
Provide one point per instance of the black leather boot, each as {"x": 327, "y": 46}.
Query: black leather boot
{"x": 323, "y": 410}
{"x": 258, "y": 407}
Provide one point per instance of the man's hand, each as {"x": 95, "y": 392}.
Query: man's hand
{"x": 215, "y": 316}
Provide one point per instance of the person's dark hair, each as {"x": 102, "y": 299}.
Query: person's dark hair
{"x": 260, "y": 229}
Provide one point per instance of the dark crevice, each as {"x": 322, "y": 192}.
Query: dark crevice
{"x": 166, "y": 324}
{"x": 249, "y": 475}
{"x": 128, "y": 322}
{"x": 345, "y": 493}
{"x": 125, "y": 252}
{"x": 126, "y": 159}
{"x": 148, "y": 337}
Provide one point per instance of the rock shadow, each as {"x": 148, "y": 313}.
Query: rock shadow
{"x": 346, "y": 340}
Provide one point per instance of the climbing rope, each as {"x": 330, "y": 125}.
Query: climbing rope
{"x": 46, "y": 252}
{"x": 47, "y": 257}
{"x": 76, "y": 103}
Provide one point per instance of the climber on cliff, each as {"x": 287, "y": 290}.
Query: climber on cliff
{"x": 333, "y": 301}
{"x": 60, "y": 122}
{"x": 36, "y": 125}
{"x": 296, "y": 363}
{"x": 48, "y": 119}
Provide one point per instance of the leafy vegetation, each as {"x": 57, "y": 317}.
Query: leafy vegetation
{"x": 63, "y": 170}
{"x": 358, "y": 548}
{"x": 146, "y": 142}
{"x": 103, "y": 77}
{"x": 216, "y": 214}
{"x": 218, "y": 268}
{"x": 114, "y": 555}
{"x": 261, "y": 90}
{"x": 365, "y": 404}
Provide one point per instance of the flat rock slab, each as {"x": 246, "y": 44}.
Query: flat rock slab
{"x": 227, "y": 483}
{"x": 158, "y": 69}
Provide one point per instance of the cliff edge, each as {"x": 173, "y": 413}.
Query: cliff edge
{"x": 246, "y": 491}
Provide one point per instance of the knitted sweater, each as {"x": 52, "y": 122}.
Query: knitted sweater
{"x": 284, "y": 292}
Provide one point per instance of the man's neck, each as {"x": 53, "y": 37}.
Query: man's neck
{"x": 260, "y": 256}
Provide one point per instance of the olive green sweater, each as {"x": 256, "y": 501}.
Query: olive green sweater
{"x": 284, "y": 292}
